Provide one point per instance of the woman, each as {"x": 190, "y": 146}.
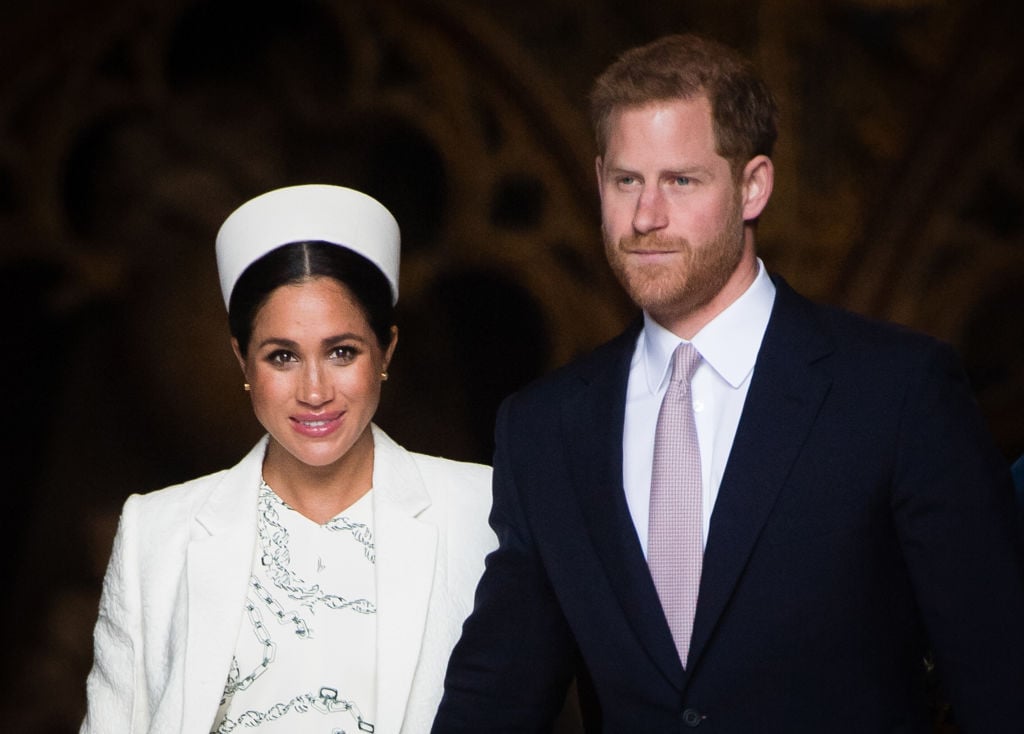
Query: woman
{"x": 320, "y": 584}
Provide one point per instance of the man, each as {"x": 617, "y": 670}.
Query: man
{"x": 854, "y": 517}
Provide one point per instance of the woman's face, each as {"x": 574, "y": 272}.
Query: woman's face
{"x": 315, "y": 369}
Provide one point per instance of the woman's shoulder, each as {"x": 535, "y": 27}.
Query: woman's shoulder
{"x": 462, "y": 486}
{"x": 186, "y": 496}
{"x": 432, "y": 468}
{"x": 164, "y": 512}
{"x": 460, "y": 491}
{"x": 175, "y": 494}
{"x": 453, "y": 469}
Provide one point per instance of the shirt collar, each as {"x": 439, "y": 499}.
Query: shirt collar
{"x": 729, "y": 343}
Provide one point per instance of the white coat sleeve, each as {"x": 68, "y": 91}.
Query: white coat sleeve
{"x": 115, "y": 684}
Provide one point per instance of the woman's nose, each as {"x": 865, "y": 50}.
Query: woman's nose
{"x": 314, "y": 387}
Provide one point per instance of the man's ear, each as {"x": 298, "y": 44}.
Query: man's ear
{"x": 756, "y": 184}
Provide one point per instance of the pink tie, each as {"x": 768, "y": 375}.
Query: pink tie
{"x": 674, "y": 544}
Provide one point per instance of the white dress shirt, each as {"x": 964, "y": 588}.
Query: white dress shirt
{"x": 729, "y": 345}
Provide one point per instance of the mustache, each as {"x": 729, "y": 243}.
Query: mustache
{"x": 653, "y": 242}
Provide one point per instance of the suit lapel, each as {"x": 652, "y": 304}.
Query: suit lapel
{"x": 218, "y": 568}
{"x": 787, "y": 388}
{"x": 406, "y": 548}
{"x": 593, "y": 420}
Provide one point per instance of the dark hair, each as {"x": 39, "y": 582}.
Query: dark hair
{"x": 299, "y": 261}
{"x": 684, "y": 66}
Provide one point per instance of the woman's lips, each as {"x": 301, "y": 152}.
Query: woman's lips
{"x": 316, "y": 426}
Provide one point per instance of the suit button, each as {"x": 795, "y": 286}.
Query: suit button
{"x": 692, "y": 718}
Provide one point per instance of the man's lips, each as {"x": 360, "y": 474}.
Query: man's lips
{"x": 648, "y": 252}
{"x": 650, "y": 246}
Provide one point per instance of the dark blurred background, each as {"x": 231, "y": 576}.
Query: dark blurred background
{"x": 130, "y": 129}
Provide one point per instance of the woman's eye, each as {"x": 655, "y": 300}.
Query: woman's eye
{"x": 280, "y": 357}
{"x": 344, "y": 354}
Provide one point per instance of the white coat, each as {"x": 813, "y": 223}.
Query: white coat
{"x": 176, "y": 583}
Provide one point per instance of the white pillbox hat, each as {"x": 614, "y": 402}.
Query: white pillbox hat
{"x": 334, "y": 214}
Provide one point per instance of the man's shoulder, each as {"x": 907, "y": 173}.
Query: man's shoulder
{"x": 849, "y": 331}
{"x": 605, "y": 360}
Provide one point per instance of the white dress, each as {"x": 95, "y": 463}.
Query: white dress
{"x": 304, "y": 660}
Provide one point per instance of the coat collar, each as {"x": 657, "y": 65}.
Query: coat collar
{"x": 220, "y": 556}
{"x": 406, "y": 550}
{"x": 218, "y": 567}
{"x": 790, "y": 381}
{"x": 593, "y": 418}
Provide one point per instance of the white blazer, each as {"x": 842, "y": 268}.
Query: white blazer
{"x": 175, "y": 588}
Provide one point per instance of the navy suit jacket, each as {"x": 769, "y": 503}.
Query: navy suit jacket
{"x": 1018, "y": 480}
{"x": 864, "y": 522}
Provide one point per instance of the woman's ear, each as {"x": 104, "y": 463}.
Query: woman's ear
{"x": 390, "y": 351}
{"x": 238, "y": 354}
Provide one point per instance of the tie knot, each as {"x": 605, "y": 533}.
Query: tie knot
{"x": 684, "y": 362}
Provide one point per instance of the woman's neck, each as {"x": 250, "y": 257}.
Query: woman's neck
{"x": 320, "y": 492}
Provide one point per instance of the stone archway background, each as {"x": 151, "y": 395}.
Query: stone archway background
{"x": 129, "y": 130}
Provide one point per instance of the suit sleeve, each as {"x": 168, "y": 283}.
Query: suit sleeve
{"x": 512, "y": 666}
{"x": 955, "y": 516}
{"x": 113, "y": 685}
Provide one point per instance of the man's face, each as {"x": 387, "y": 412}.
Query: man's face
{"x": 672, "y": 212}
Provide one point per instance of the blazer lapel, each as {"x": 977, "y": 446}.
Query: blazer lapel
{"x": 406, "y": 548}
{"x": 594, "y": 420}
{"x": 787, "y": 388}
{"x": 218, "y": 568}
